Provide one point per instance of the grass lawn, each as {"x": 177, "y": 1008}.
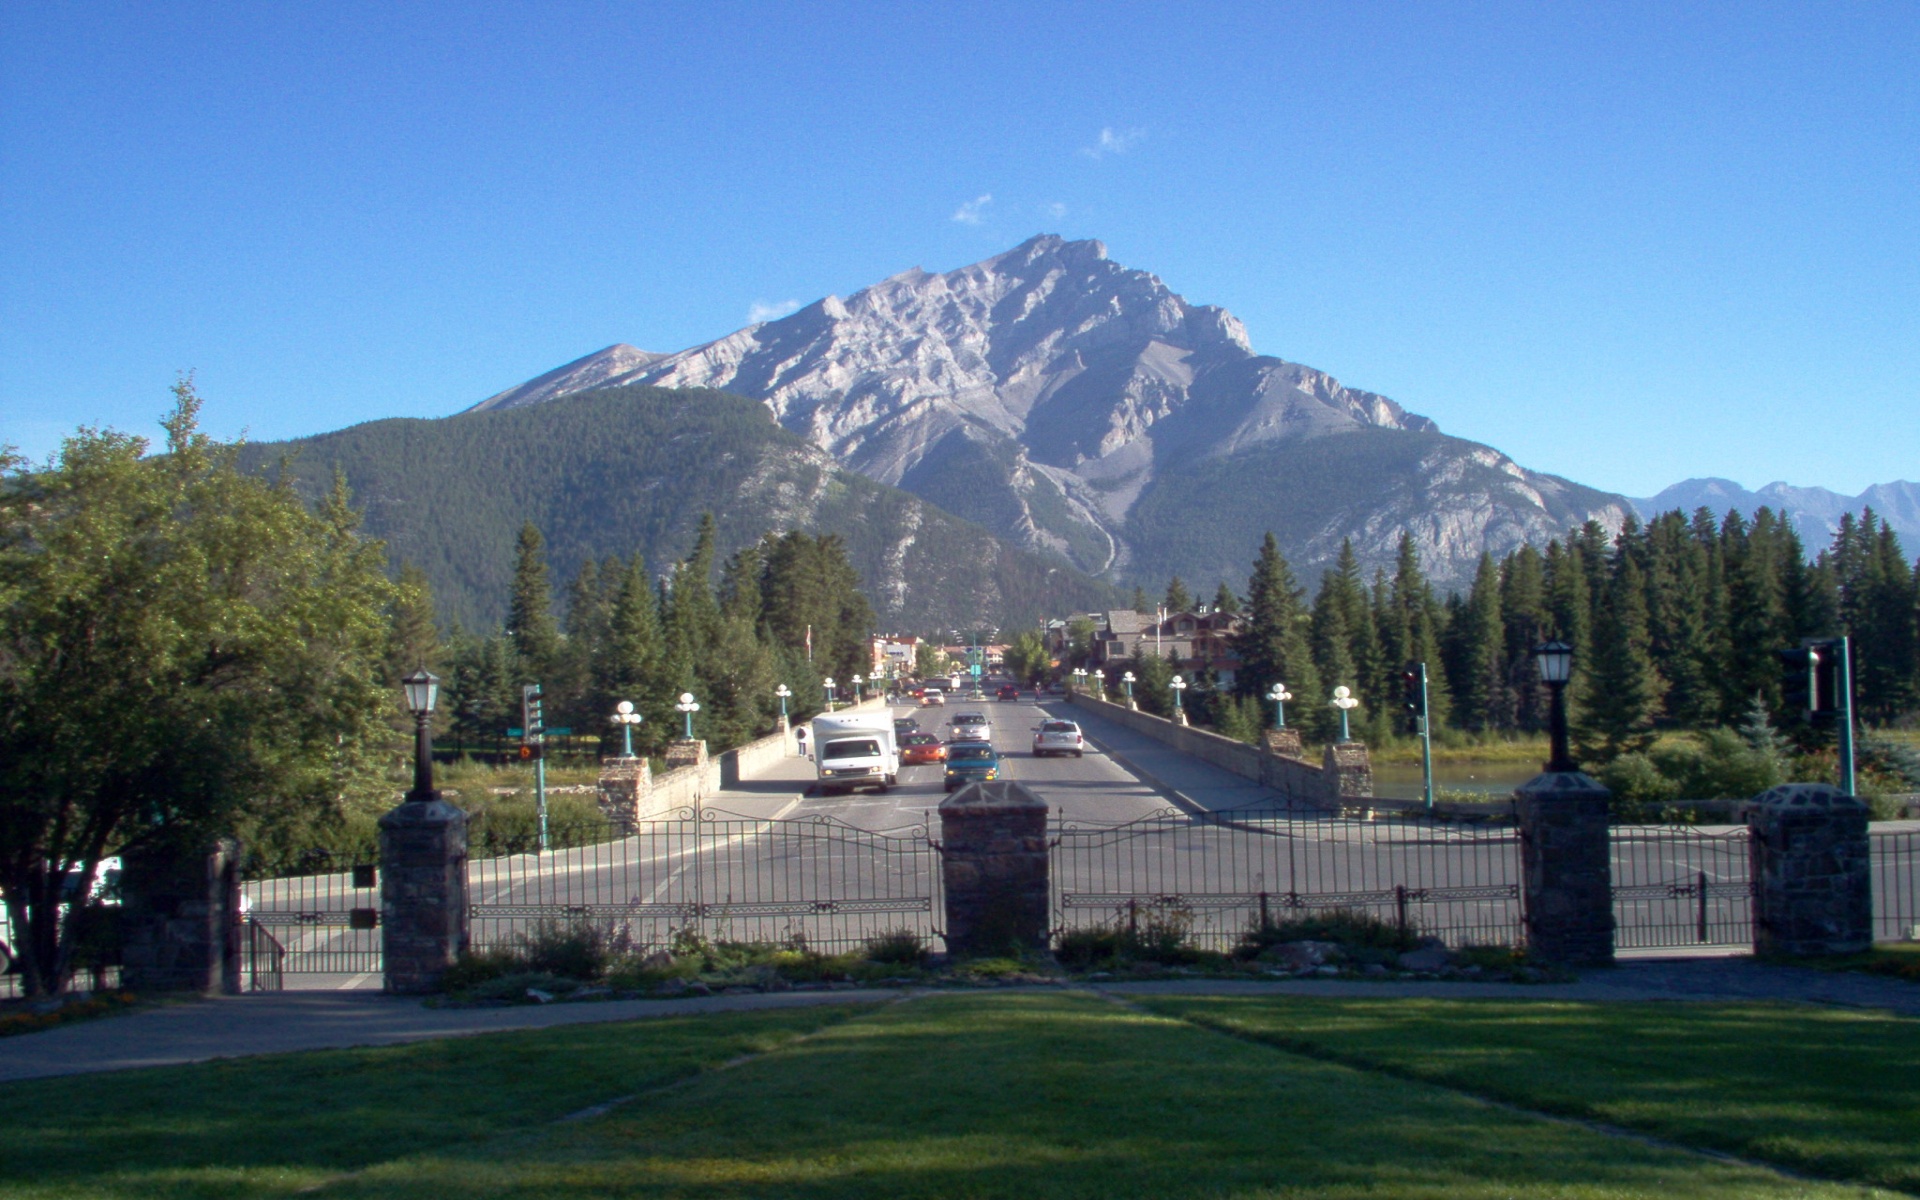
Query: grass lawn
{"x": 1832, "y": 1092}
{"x": 1898, "y": 959}
{"x": 998, "y": 1094}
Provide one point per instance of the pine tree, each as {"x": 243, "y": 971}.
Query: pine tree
{"x": 1414, "y": 625}
{"x": 1483, "y": 698}
{"x": 630, "y": 667}
{"x": 1273, "y": 647}
{"x": 416, "y": 635}
{"x": 1332, "y": 644}
{"x": 1623, "y": 694}
{"x": 1523, "y": 609}
{"x": 1178, "y": 598}
{"x": 1224, "y": 600}
{"x": 530, "y": 626}
{"x": 1140, "y": 603}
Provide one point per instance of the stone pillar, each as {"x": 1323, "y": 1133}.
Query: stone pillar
{"x": 423, "y": 892}
{"x": 1286, "y": 742}
{"x": 1812, "y": 871}
{"x": 180, "y": 919}
{"x": 1347, "y": 769}
{"x": 624, "y": 784}
{"x": 994, "y": 863}
{"x": 683, "y": 753}
{"x": 1566, "y": 871}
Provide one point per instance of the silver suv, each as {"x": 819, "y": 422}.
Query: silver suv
{"x": 1057, "y": 737}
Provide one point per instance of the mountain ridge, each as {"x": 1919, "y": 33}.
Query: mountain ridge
{"x": 1815, "y": 511}
{"x": 1046, "y": 391}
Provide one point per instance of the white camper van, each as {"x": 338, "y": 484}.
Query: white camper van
{"x": 855, "y": 750}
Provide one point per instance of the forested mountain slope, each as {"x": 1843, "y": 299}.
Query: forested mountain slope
{"x": 631, "y": 469}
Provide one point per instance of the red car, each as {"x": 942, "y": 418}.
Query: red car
{"x": 1008, "y": 692}
{"x": 922, "y": 748}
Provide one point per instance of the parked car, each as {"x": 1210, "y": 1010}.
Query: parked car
{"x": 1008, "y": 692}
{"x": 918, "y": 748}
{"x": 971, "y": 762}
{"x": 1057, "y": 737}
{"x": 969, "y": 726}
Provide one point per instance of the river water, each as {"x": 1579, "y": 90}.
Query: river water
{"x": 1401, "y": 781}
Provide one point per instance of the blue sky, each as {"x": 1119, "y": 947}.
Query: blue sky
{"x": 1624, "y": 243}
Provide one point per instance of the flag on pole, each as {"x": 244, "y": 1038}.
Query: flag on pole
{"x": 809, "y": 643}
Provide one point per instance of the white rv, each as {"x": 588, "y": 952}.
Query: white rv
{"x": 855, "y": 750}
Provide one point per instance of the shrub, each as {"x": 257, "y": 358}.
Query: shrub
{"x": 473, "y": 968}
{"x": 573, "y": 949}
{"x": 1150, "y": 933}
{"x": 899, "y": 947}
{"x": 1342, "y": 926}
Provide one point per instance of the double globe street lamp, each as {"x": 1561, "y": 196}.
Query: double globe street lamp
{"x": 1178, "y": 685}
{"x": 1099, "y": 683}
{"x": 783, "y": 691}
{"x": 859, "y": 690}
{"x": 1127, "y": 679}
{"x": 829, "y": 685}
{"x": 687, "y": 707}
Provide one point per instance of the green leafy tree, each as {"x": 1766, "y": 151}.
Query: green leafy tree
{"x": 186, "y": 651}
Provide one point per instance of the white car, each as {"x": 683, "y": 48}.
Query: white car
{"x": 1058, "y": 737}
{"x": 969, "y": 727}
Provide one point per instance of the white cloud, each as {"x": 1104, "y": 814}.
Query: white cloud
{"x": 760, "y": 310}
{"x": 970, "y": 212}
{"x": 1113, "y": 141}
{"x": 1056, "y": 210}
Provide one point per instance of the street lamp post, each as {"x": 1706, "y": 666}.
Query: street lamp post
{"x": 422, "y": 689}
{"x": 1279, "y": 694}
{"x": 829, "y": 685}
{"x": 1555, "y": 660}
{"x": 1178, "y": 685}
{"x": 1344, "y": 701}
{"x": 859, "y": 690}
{"x": 1127, "y": 679}
{"x": 1079, "y": 679}
{"x": 783, "y": 691}
{"x": 1100, "y": 683}
{"x": 687, "y": 707}
{"x": 626, "y": 719}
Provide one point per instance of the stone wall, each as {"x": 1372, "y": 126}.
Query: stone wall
{"x": 1344, "y": 776}
{"x": 1566, "y": 868}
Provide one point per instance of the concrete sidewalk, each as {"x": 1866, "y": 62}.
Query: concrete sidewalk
{"x": 231, "y": 1027}
{"x": 277, "y": 1022}
{"x": 1183, "y": 779}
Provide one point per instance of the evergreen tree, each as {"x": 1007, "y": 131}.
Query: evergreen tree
{"x": 416, "y": 636}
{"x": 1413, "y": 627}
{"x": 1224, "y": 600}
{"x": 1483, "y": 699}
{"x": 1523, "y": 609}
{"x": 1178, "y": 598}
{"x": 631, "y": 666}
{"x": 1331, "y": 642}
{"x": 530, "y": 625}
{"x": 1140, "y": 603}
{"x": 1623, "y": 695}
{"x": 1273, "y": 647}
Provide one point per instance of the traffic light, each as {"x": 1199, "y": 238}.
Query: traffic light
{"x": 528, "y": 753}
{"x": 1799, "y": 680}
{"x": 1414, "y": 694}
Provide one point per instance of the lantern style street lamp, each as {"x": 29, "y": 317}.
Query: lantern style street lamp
{"x": 1344, "y": 701}
{"x": 783, "y": 691}
{"x": 1555, "y": 660}
{"x": 422, "y": 689}
{"x": 1128, "y": 680}
{"x": 1279, "y": 694}
{"x": 1100, "y": 683}
{"x": 687, "y": 707}
{"x": 829, "y": 685}
{"x": 626, "y": 719}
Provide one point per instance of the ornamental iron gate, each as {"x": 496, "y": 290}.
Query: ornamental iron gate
{"x": 1681, "y": 885}
{"x": 1895, "y": 854}
{"x": 1220, "y": 873}
{"x": 816, "y": 880}
{"x": 322, "y": 924}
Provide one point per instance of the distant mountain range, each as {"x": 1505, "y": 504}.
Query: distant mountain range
{"x": 1083, "y": 410}
{"x": 1815, "y": 511}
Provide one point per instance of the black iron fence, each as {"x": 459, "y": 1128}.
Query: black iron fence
{"x": 1895, "y": 855}
{"x": 1681, "y": 885}
{"x": 310, "y": 924}
{"x": 1218, "y": 874}
{"x": 721, "y": 875}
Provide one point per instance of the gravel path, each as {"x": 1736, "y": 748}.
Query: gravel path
{"x": 229, "y": 1027}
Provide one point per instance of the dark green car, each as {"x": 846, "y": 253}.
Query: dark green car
{"x": 971, "y": 762}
